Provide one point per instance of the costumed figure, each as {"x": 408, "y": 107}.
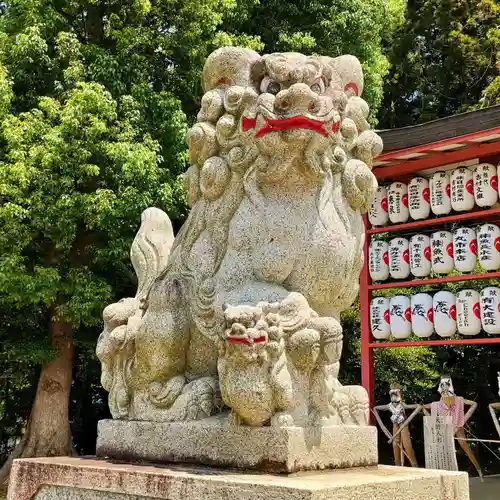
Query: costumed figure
{"x": 400, "y": 437}
{"x": 451, "y": 405}
{"x": 493, "y": 407}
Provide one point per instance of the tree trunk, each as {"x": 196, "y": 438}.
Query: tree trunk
{"x": 48, "y": 432}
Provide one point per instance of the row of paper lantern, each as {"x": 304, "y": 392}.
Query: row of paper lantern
{"x": 441, "y": 253}
{"x": 444, "y": 313}
{"x": 442, "y": 194}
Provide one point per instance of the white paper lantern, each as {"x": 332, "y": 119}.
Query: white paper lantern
{"x": 379, "y": 211}
{"x": 468, "y": 312}
{"x": 399, "y": 258}
{"x": 488, "y": 247}
{"x": 485, "y": 185}
{"x": 398, "y": 203}
{"x": 420, "y": 255}
{"x": 440, "y": 193}
{"x": 419, "y": 198}
{"x": 379, "y": 260}
{"x": 380, "y": 318}
{"x": 442, "y": 252}
{"x": 400, "y": 317}
{"x": 490, "y": 310}
{"x": 422, "y": 315}
{"x": 465, "y": 249}
{"x": 462, "y": 190}
{"x": 445, "y": 314}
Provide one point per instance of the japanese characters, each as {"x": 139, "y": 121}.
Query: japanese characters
{"x": 490, "y": 309}
{"x": 485, "y": 185}
{"x": 468, "y": 312}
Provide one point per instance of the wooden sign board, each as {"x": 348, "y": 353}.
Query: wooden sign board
{"x": 439, "y": 443}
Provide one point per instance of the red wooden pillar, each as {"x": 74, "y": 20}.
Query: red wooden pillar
{"x": 367, "y": 366}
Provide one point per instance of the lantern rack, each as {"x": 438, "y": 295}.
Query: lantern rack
{"x": 464, "y": 139}
{"x": 422, "y": 343}
{"x": 435, "y": 281}
{"x": 477, "y": 215}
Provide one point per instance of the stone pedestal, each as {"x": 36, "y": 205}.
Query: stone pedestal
{"x": 213, "y": 442}
{"x": 89, "y": 479}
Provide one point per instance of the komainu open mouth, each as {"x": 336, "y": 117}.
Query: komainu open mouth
{"x": 292, "y": 123}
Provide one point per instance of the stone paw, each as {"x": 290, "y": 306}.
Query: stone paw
{"x": 282, "y": 419}
{"x": 163, "y": 395}
{"x": 234, "y": 419}
{"x": 325, "y": 419}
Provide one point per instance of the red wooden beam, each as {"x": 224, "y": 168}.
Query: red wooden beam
{"x": 436, "y": 160}
{"x": 365, "y": 295}
{"x": 434, "y": 281}
{"x": 479, "y": 215}
{"x": 441, "y": 342}
{"x": 425, "y": 148}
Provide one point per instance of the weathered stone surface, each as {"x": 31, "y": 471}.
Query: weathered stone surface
{"x": 213, "y": 442}
{"x": 244, "y": 306}
{"x": 86, "y": 479}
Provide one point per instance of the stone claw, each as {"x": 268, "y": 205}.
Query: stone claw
{"x": 238, "y": 329}
{"x": 233, "y": 419}
{"x": 282, "y": 419}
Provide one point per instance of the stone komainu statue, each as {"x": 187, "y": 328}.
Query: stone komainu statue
{"x": 240, "y": 312}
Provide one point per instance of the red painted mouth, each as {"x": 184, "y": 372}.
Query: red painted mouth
{"x": 246, "y": 340}
{"x": 294, "y": 122}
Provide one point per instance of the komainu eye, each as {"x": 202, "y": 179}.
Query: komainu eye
{"x": 318, "y": 86}
{"x": 269, "y": 86}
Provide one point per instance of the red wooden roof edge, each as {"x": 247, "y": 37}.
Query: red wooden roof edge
{"x": 441, "y": 142}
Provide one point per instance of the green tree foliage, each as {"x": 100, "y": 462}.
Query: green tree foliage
{"x": 75, "y": 177}
{"x": 77, "y": 173}
{"x": 444, "y": 60}
{"x": 83, "y": 151}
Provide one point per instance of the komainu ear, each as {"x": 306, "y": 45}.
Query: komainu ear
{"x": 228, "y": 66}
{"x": 347, "y": 74}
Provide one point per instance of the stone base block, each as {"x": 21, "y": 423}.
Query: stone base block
{"x": 88, "y": 479}
{"x": 213, "y": 442}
